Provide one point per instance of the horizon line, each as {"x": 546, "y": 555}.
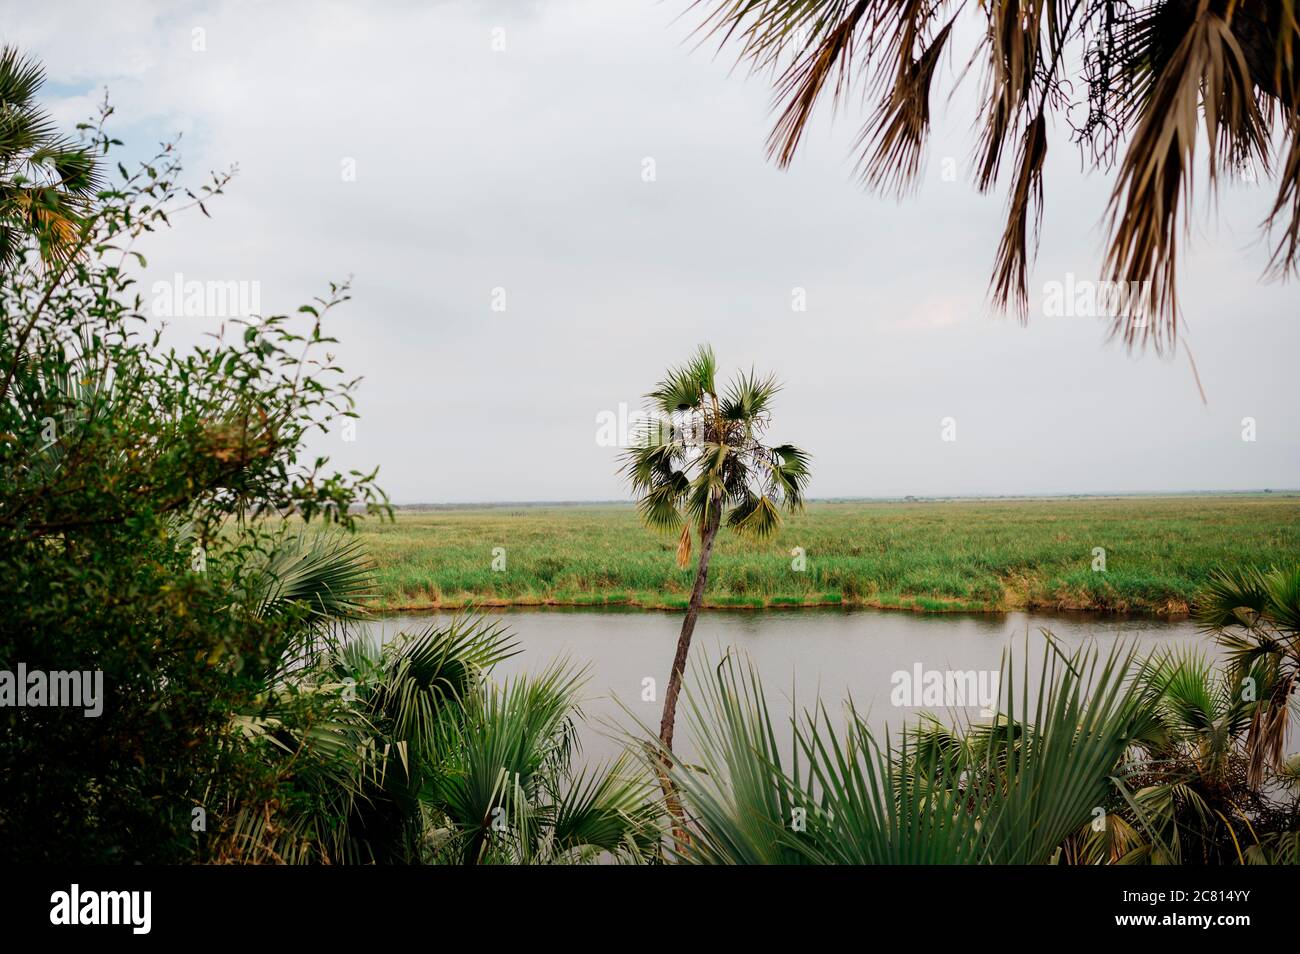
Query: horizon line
{"x": 888, "y": 498}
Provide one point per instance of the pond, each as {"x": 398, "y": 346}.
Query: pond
{"x": 799, "y": 654}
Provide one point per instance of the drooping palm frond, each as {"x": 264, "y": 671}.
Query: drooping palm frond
{"x": 1024, "y": 218}
{"x": 1020, "y": 48}
{"x": 659, "y": 508}
{"x": 1153, "y": 76}
{"x": 789, "y": 467}
{"x": 655, "y": 460}
{"x": 1285, "y": 213}
{"x": 756, "y": 517}
{"x": 1206, "y": 79}
{"x": 892, "y": 143}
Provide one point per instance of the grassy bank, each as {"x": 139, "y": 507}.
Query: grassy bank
{"x": 949, "y": 556}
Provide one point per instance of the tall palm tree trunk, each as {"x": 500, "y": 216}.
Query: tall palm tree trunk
{"x": 672, "y": 801}
{"x": 666, "y": 725}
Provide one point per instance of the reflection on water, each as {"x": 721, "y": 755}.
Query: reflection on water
{"x": 799, "y": 654}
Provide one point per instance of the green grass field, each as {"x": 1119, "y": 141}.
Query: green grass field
{"x": 934, "y": 556}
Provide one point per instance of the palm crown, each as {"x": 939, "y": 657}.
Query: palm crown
{"x": 701, "y": 456}
{"x": 46, "y": 180}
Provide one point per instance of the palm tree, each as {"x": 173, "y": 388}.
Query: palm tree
{"x": 1149, "y": 73}
{"x": 406, "y": 752}
{"x": 701, "y": 461}
{"x": 352, "y": 729}
{"x": 507, "y": 790}
{"x": 1192, "y": 799}
{"x": 407, "y": 689}
{"x": 1255, "y": 617}
{"x": 46, "y": 180}
{"x": 297, "y": 725}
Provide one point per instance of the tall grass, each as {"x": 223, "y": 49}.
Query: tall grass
{"x": 961, "y": 555}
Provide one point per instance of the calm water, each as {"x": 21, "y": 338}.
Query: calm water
{"x": 799, "y": 654}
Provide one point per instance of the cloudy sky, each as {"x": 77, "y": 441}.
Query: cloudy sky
{"x": 440, "y": 152}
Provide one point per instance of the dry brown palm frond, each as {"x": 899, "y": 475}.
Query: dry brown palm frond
{"x": 1285, "y": 80}
{"x": 766, "y": 30}
{"x": 1285, "y": 259}
{"x": 1288, "y": 33}
{"x": 1028, "y": 43}
{"x": 1010, "y": 276}
{"x": 892, "y": 141}
{"x": 1013, "y": 38}
{"x": 803, "y": 81}
{"x": 1154, "y": 186}
{"x": 1267, "y": 31}
{"x": 684, "y": 547}
{"x": 829, "y": 44}
{"x": 1267, "y": 735}
{"x": 1152, "y": 74}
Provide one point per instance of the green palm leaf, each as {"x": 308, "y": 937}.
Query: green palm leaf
{"x": 1011, "y": 794}
{"x": 327, "y": 573}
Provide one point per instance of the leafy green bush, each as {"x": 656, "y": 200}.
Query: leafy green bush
{"x": 135, "y": 483}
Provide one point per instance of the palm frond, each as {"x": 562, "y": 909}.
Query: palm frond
{"x": 749, "y": 397}
{"x": 893, "y": 140}
{"x": 327, "y": 573}
{"x": 685, "y": 387}
{"x": 1010, "y": 274}
{"x": 511, "y": 738}
{"x": 1153, "y": 74}
{"x": 789, "y": 468}
{"x": 659, "y": 508}
{"x": 1236, "y": 596}
{"x": 755, "y": 517}
{"x": 606, "y": 810}
{"x": 1014, "y": 798}
{"x": 1154, "y": 184}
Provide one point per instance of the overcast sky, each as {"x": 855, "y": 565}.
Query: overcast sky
{"x": 523, "y": 169}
